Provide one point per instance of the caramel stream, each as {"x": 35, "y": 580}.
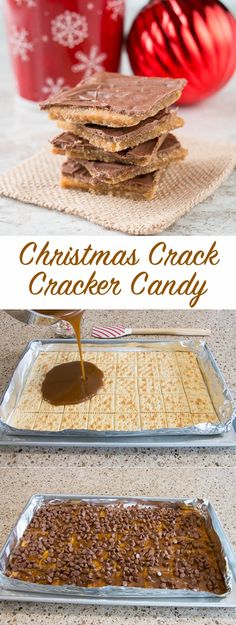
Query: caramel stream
{"x": 72, "y": 382}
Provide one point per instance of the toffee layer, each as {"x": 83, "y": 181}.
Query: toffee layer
{"x": 114, "y": 173}
{"x": 117, "y": 139}
{"x": 143, "y": 187}
{"x": 69, "y": 145}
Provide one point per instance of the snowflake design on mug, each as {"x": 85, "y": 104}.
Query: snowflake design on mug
{"x": 29, "y": 3}
{"x": 69, "y": 29}
{"x": 20, "y": 46}
{"x": 51, "y": 86}
{"x": 116, "y": 7}
{"x": 89, "y": 64}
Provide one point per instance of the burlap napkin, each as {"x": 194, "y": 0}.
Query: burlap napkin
{"x": 36, "y": 181}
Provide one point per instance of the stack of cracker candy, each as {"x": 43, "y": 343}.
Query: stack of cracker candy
{"x": 117, "y": 133}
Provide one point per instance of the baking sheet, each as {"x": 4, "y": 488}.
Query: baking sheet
{"x": 220, "y": 395}
{"x": 36, "y": 501}
{"x": 47, "y": 441}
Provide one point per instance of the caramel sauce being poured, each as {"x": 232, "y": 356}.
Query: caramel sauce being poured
{"x": 71, "y": 382}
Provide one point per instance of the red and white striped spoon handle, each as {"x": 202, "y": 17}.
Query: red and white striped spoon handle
{"x": 114, "y": 332}
{"x": 108, "y": 332}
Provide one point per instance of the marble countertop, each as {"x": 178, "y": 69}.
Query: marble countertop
{"x": 24, "y": 129}
{"x": 14, "y": 336}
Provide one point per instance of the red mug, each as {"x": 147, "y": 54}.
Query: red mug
{"x": 55, "y": 43}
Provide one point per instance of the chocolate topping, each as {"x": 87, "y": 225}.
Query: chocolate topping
{"x": 71, "y": 167}
{"x": 91, "y": 545}
{"x": 117, "y": 93}
{"x": 75, "y": 169}
{"x": 116, "y": 172}
{"x": 68, "y": 141}
{"x": 81, "y": 148}
{"x": 118, "y": 139}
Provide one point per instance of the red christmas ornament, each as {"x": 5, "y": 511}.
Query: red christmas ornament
{"x": 194, "y": 40}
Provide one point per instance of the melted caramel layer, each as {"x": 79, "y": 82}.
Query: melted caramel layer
{"x": 65, "y": 385}
{"x": 71, "y": 382}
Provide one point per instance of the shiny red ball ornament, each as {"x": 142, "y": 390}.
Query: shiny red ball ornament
{"x": 194, "y": 40}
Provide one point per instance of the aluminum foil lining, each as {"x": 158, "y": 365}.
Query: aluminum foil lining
{"x": 220, "y": 394}
{"x": 214, "y": 528}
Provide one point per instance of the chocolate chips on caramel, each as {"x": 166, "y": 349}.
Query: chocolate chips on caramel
{"x": 163, "y": 546}
{"x": 118, "y": 130}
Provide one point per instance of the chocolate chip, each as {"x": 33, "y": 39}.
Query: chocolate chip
{"x": 87, "y": 544}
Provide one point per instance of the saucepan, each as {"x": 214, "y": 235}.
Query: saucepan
{"x": 38, "y": 318}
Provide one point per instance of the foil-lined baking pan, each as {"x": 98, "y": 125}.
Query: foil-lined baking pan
{"x": 148, "y": 441}
{"x": 220, "y": 395}
{"x": 215, "y": 531}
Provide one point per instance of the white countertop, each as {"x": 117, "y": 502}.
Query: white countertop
{"x": 24, "y": 129}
